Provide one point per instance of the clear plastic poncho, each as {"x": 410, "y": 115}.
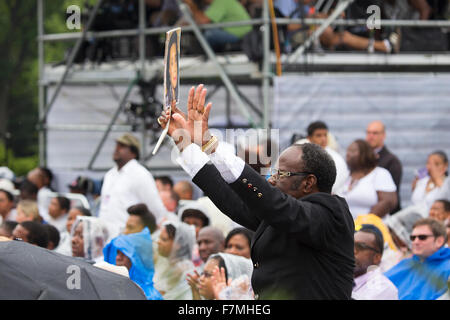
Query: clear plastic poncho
{"x": 239, "y": 270}
{"x": 171, "y": 272}
{"x": 95, "y": 236}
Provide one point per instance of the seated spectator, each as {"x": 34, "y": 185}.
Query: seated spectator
{"x": 32, "y": 232}
{"x": 174, "y": 260}
{"x": 140, "y": 217}
{"x": 65, "y": 242}
{"x": 58, "y": 209}
{"x": 42, "y": 178}
{"x": 134, "y": 251}
{"x": 168, "y": 15}
{"x": 184, "y": 190}
{"x": 53, "y": 236}
{"x": 317, "y": 132}
{"x": 89, "y": 235}
{"x": 28, "y": 191}
{"x": 391, "y": 253}
{"x": 170, "y": 200}
{"x": 425, "y": 275}
{"x": 234, "y": 269}
{"x": 7, "y": 228}
{"x": 440, "y": 210}
{"x": 400, "y": 227}
{"x": 220, "y": 11}
{"x": 238, "y": 242}
{"x": 210, "y": 240}
{"x": 370, "y": 283}
{"x": 331, "y": 37}
{"x": 368, "y": 189}
{"x": 7, "y": 212}
{"x": 164, "y": 183}
{"x": 194, "y": 214}
{"x": 427, "y": 189}
{"x": 27, "y": 210}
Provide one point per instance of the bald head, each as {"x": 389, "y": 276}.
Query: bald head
{"x": 184, "y": 190}
{"x": 210, "y": 240}
{"x": 375, "y": 134}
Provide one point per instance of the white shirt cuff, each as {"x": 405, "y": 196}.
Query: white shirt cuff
{"x": 192, "y": 159}
{"x": 229, "y": 165}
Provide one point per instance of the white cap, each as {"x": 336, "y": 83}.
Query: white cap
{"x": 7, "y": 185}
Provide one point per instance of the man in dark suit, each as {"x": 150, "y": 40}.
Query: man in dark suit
{"x": 303, "y": 242}
{"x": 375, "y": 136}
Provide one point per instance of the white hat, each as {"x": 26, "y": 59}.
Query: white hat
{"x": 194, "y": 205}
{"x": 7, "y": 185}
{"x": 6, "y": 173}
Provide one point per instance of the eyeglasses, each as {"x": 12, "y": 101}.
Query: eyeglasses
{"x": 362, "y": 246}
{"x": 277, "y": 173}
{"x": 421, "y": 237}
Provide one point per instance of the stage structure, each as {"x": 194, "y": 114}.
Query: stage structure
{"x": 241, "y": 90}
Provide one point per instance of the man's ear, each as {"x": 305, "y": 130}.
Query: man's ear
{"x": 310, "y": 183}
{"x": 377, "y": 259}
{"x": 440, "y": 241}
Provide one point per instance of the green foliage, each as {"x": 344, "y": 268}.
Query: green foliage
{"x": 20, "y": 166}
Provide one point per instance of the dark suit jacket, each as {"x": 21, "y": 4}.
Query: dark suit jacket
{"x": 302, "y": 249}
{"x": 391, "y": 163}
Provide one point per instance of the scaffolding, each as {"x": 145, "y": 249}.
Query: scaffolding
{"x": 226, "y": 74}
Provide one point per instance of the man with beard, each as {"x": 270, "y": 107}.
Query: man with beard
{"x": 370, "y": 283}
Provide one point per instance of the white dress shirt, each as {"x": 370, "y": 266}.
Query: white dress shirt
{"x": 44, "y": 196}
{"x": 230, "y": 166}
{"x": 130, "y": 185}
{"x": 342, "y": 172}
{"x": 374, "y": 285}
{"x": 59, "y": 223}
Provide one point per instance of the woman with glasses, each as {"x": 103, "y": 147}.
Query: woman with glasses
{"x": 368, "y": 189}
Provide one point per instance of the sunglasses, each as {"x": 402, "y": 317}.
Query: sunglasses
{"x": 361, "y": 247}
{"x": 421, "y": 237}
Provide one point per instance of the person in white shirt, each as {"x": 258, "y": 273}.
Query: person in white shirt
{"x": 58, "y": 212}
{"x": 368, "y": 189}
{"x": 428, "y": 189}
{"x": 318, "y": 133}
{"x": 42, "y": 178}
{"x": 370, "y": 283}
{"x": 127, "y": 184}
{"x": 7, "y": 211}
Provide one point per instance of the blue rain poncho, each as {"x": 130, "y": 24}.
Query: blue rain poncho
{"x": 138, "y": 248}
{"x": 427, "y": 280}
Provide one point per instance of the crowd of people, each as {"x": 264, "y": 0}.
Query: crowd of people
{"x": 173, "y": 246}
{"x": 123, "y": 14}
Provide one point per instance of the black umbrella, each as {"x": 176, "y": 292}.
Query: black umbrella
{"x": 28, "y": 272}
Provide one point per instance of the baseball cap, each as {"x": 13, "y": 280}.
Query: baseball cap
{"x": 129, "y": 140}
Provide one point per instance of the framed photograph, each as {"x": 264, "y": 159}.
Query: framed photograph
{"x": 172, "y": 67}
{"x": 171, "y": 76}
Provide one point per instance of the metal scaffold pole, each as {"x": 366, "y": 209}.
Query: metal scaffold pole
{"x": 41, "y": 61}
{"x": 266, "y": 64}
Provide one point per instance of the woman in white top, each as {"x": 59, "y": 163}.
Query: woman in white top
{"x": 427, "y": 190}
{"x": 89, "y": 235}
{"x": 174, "y": 260}
{"x": 368, "y": 189}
